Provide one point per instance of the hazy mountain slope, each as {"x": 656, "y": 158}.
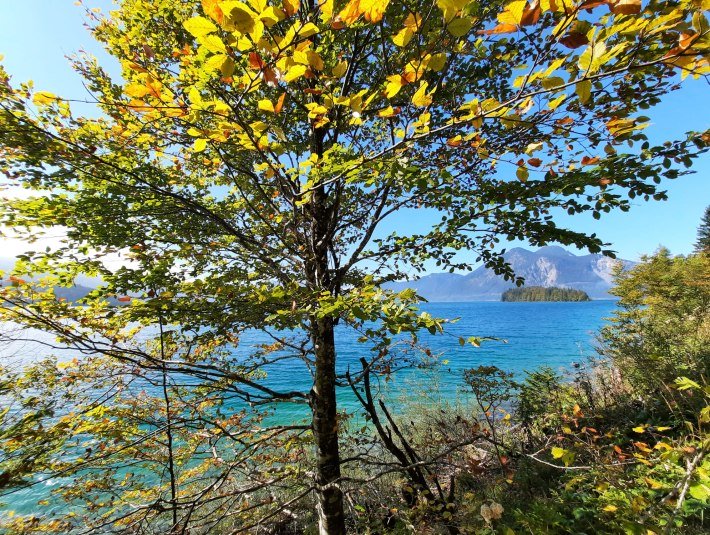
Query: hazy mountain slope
{"x": 548, "y": 266}
{"x": 70, "y": 294}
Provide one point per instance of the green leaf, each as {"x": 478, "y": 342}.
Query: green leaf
{"x": 584, "y": 90}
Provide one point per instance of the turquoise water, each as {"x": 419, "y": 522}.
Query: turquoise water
{"x": 531, "y": 335}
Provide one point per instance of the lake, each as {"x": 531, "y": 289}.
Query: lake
{"x": 534, "y": 334}
{"x": 531, "y": 334}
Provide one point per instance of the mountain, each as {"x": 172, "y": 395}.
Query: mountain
{"x": 70, "y": 294}
{"x": 548, "y": 266}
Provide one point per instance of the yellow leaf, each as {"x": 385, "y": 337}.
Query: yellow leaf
{"x": 199, "y": 26}
{"x": 295, "y": 73}
{"x": 241, "y": 17}
{"x": 513, "y": 12}
{"x": 257, "y": 5}
{"x": 45, "y": 97}
{"x": 213, "y": 43}
{"x": 558, "y": 453}
{"x": 308, "y": 29}
{"x": 403, "y": 37}
{"x": 553, "y": 104}
{"x": 387, "y": 112}
{"x": 215, "y": 62}
{"x": 413, "y": 21}
{"x": 136, "y": 90}
{"x": 271, "y": 15}
{"x": 451, "y": 8}
{"x": 372, "y": 10}
{"x": 394, "y": 84}
{"x": 653, "y": 483}
{"x": 421, "y": 98}
{"x": 266, "y": 105}
{"x": 326, "y": 9}
{"x": 591, "y": 59}
{"x": 340, "y": 69}
{"x": 610, "y": 508}
{"x": 199, "y": 145}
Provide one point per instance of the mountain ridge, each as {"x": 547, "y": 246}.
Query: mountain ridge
{"x": 547, "y": 266}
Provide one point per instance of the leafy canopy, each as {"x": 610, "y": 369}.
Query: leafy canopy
{"x": 247, "y": 154}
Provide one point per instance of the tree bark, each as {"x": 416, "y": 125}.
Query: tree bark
{"x": 331, "y": 518}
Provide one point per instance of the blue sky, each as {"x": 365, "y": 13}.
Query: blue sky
{"x": 36, "y": 35}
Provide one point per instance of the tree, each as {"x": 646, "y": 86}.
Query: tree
{"x": 247, "y": 154}
{"x": 659, "y": 332}
{"x": 703, "y": 242}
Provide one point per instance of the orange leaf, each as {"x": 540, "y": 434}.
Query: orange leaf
{"x": 291, "y": 7}
{"x": 626, "y": 7}
{"x": 124, "y": 299}
{"x": 280, "y": 103}
{"x": 586, "y": 160}
{"x": 255, "y": 61}
{"x": 535, "y": 162}
{"x": 500, "y": 28}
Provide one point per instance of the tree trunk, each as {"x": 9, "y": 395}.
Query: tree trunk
{"x": 331, "y": 518}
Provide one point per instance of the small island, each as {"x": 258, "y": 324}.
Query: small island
{"x": 541, "y": 293}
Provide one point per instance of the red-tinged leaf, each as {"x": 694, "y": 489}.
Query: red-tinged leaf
{"x": 310, "y": 91}
{"x": 564, "y": 122}
{"x": 605, "y": 181}
{"x": 270, "y": 77}
{"x": 591, "y": 4}
{"x": 500, "y": 28}
{"x": 338, "y": 24}
{"x": 280, "y": 103}
{"x": 535, "y": 162}
{"x": 574, "y": 40}
{"x": 255, "y": 61}
{"x": 290, "y": 7}
{"x": 531, "y": 14}
{"x": 625, "y": 7}
{"x": 586, "y": 160}
{"x": 124, "y": 299}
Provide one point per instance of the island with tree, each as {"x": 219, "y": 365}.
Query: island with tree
{"x": 542, "y": 293}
